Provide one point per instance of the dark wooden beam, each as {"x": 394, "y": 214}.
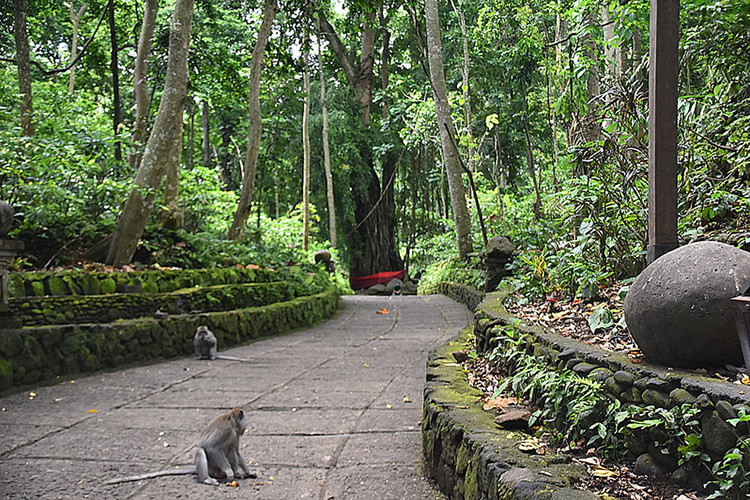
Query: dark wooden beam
{"x": 662, "y": 127}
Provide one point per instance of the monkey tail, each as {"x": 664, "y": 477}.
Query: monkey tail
{"x": 232, "y": 358}
{"x": 150, "y": 475}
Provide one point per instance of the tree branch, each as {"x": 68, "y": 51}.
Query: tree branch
{"x": 326, "y": 29}
{"x": 75, "y": 60}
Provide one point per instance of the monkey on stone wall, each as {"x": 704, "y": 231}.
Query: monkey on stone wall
{"x": 325, "y": 257}
{"x": 205, "y": 345}
{"x": 218, "y": 454}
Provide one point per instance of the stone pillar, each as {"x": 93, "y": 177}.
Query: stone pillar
{"x": 8, "y": 251}
{"x": 662, "y": 128}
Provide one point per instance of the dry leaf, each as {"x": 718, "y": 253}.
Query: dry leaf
{"x": 92, "y": 411}
{"x": 528, "y": 445}
{"x": 590, "y": 461}
{"x": 407, "y": 400}
{"x": 501, "y": 402}
{"x": 600, "y": 471}
{"x": 233, "y": 484}
{"x": 382, "y": 311}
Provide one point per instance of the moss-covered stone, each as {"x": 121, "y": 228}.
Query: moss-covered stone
{"x": 11, "y": 344}
{"x": 37, "y": 288}
{"x": 656, "y": 398}
{"x": 108, "y": 286}
{"x": 57, "y": 286}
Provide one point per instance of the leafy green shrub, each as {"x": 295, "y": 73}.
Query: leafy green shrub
{"x": 453, "y": 270}
{"x": 574, "y": 408}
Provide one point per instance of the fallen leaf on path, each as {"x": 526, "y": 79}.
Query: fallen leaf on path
{"x": 233, "y": 484}
{"x": 407, "y": 400}
{"x": 92, "y": 411}
{"x": 383, "y": 311}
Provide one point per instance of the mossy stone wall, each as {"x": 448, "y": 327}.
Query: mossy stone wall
{"x": 644, "y": 384}
{"x": 469, "y": 456}
{"x": 39, "y": 354}
{"x": 457, "y": 291}
{"x": 37, "y": 311}
{"x": 160, "y": 281}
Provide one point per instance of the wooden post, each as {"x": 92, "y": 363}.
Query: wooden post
{"x": 662, "y": 128}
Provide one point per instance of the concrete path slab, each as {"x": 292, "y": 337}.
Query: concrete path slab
{"x": 334, "y": 413}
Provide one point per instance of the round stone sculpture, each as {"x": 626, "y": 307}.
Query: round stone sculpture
{"x": 679, "y": 311}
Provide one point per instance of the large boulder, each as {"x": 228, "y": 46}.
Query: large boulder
{"x": 679, "y": 311}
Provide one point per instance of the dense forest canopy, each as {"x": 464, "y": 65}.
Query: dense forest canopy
{"x": 548, "y": 115}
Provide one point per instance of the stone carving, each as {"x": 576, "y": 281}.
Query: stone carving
{"x": 498, "y": 253}
{"x": 6, "y": 218}
{"x": 679, "y": 311}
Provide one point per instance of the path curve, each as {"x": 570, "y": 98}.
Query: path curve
{"x": 334, "y": 413}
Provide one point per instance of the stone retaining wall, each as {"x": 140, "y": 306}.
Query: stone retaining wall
{"x": 39, "y": 354}
{"x": 76, "y": 309}
{"x": 643, "y": 384}
{"x": 469, "y": 456}
{"x": 36, "y": 284}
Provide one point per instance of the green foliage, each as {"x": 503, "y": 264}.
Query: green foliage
{"x": 454, "y": 270}
{"x": 732, "y": 472}
{"x": 575, "y": 408}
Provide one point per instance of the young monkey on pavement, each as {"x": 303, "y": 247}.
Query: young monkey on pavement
{"x": 204, "y": 344}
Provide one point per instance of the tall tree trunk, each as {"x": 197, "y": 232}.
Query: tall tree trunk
{"x": 499, "y": 179}
{"x": 592, "y": 81}
{"x": 24, "y": 67}
{"x": 189, "y": 149}
{"x": 206, "y": 134}
{"x": 530, "y": 157}
{"x": 611, "y": 46}
{"x": 227, "y": 129}
{"x": 115, "y": 70}
{"x": 327, "y": 152}
{"x": 373, "y": 248}
{"x": 166, "y": 130}
{"x": 256, "y": 126}
{"x": 459, "y": 9}
{"x": 305, "y": 147}
{"x": 170, "y": 211}
{"x": 75, "y": 18}
{"x": 445, "y": 124}
{"x": 140, "y": 82}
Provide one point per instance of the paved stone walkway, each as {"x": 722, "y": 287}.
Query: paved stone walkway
{"x": 334, "y": 413}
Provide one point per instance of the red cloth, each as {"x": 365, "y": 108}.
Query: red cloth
{"x": 374, "y": 279}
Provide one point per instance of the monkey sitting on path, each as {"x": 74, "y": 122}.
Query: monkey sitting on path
{"x": 218, "y": 455}
{"x": 204, "y": 344}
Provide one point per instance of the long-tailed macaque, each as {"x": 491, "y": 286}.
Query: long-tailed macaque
{"x": 204, "y": 343}
{"x": 326, "y": 258}
{"x": 218, "y": 455}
